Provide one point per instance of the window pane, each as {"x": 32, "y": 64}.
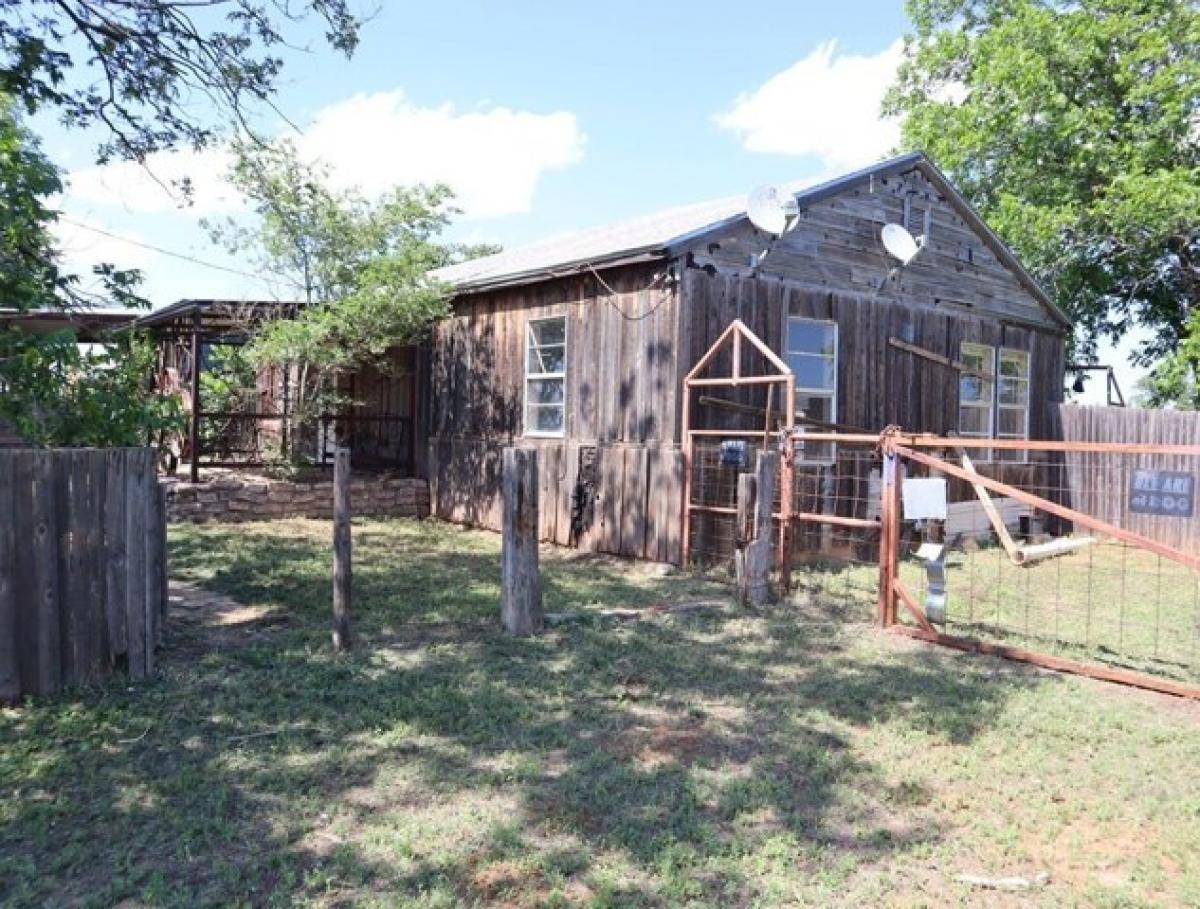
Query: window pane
{"x": 1014, "y": 391}
{"x": 816, "y": 407}
{"x": 809, "y": 336}
{"x": 974, "y": 390}
{"x": 973, "y": 421}
{"x": 549, "y": 331}
{"x": 812, "y": 371}
{"x": 1014, "y": 363}
{"x": 542, "y": 418}
{"x": 1012, "y": 423}
{"x": 545, "y": 391}
{"x": 546, "y": 359}
{"x": 977, "y": 356}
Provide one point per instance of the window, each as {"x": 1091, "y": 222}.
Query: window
{"x": 545, "y": 376}
{"x": 812, "y": 356}
{"x": 994, "y": 404}
{"x": 1012, "y": 400}
{"x": 976, "y": 394}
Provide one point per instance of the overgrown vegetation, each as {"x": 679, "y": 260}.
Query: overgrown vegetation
{"x": 133, "y": 73}
{"x": 701, "y": 757}
{"x": 1072, "y": 126}
{"x": 53, "y": 391}
{"x": 361, "y": 267}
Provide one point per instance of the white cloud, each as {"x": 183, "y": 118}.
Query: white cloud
{"x": 145, "y": 189}
{"x": 826, "y": 105}
{"x": 493, "y": 158}
{"x": 81, "y": 246}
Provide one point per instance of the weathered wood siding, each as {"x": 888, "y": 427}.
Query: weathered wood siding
{"x": 634, "y": 336}
{"x": 621, "y": 408}
{"x": 878, "y": 384}
{"x": 83, "y": 572}
{"x": 835, "y": 244}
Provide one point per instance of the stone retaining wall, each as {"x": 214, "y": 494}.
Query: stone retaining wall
{"x": 230, "y": 496}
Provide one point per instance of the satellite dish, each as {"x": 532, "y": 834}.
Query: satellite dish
{"x": 900, "y": 243}
{"x": 771, "y": 209}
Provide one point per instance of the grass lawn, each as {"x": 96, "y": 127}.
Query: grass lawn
{"x": 696, "y": 757}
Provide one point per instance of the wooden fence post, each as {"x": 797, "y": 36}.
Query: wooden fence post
{"x": 747, "y": 490}
{"x": 521, "y": 591}
{"x": 757, "y": 562}
{"x": 889, "y": 536}
{"x": 341, "y": 550}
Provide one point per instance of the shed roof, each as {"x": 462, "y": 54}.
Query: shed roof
{"x": 663, "y": 233}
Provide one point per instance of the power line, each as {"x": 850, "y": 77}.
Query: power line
{"x": 165, "y": 252}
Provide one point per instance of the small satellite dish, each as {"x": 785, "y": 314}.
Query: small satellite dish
{"x": 771, "y": 209}
{"x": 900, "y": 243}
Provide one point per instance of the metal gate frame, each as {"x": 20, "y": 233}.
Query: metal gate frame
{"x": 898, "y": 448}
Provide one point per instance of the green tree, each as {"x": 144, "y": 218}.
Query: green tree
{"x": 360, "y": 266}
{"x": 53, "y": 391}
{"x": 1074, "y": 127}
{"x": 156, "y": 74}
{"x": 1175, "y": 379}
{"x": 146, "y": 75}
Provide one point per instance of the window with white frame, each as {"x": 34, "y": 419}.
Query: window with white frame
{"x": 993, "y": 398}
{"x": 976, "y": 394}
{"x": 812, "y": 355}
{"x": 1012, "y": 400}
{"x": 545, "y": 376}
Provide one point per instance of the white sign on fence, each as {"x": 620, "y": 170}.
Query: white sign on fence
{"x": 924, "y": 499}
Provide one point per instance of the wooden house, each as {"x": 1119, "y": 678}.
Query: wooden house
{"x": 579, "y": 346}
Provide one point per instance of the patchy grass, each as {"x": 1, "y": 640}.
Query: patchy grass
{"x": 705, "y": 757}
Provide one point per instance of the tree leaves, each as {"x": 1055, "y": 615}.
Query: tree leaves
{"x": 154, "y": 74}
{"x": 1075, "y": 128}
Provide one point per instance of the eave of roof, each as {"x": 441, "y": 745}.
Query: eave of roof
{"x": 190, "y": 307}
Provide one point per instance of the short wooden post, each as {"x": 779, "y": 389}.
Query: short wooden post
{"x": 521, "y": 592}
{"x": 747, "y": 490}
{"x": 760, "y": 550}
{"x": 341, "y": 550}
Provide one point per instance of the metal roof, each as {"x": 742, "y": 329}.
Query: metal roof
{"x": 649, "y": 236}
{"x": 663, "y": 233}
{"x": 215, "y": 313}
{"x": 88, "y": 324}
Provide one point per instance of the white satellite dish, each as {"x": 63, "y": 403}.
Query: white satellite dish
{"x": 771, "y": 209}
{"x": 900, "y": 243}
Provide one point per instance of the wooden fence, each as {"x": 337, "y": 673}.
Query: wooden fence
{"x": 83, "y": 568}
{"x": 1098, "y": 483}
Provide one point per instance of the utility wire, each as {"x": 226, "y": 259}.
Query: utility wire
{"x": 166, "y": 252}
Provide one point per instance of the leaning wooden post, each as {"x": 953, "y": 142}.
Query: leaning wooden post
{"x": 521, "y": 590}
{"x": 341, "y": 549}
{"x": 759, "y": 552}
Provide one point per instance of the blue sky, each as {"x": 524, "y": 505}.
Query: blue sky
{"x": 544, "y": 116}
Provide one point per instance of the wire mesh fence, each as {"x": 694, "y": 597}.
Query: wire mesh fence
{"x": 1126, "y": 595}
{"x": 835, "y": 561}
{"x": 1100, "y": 566}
